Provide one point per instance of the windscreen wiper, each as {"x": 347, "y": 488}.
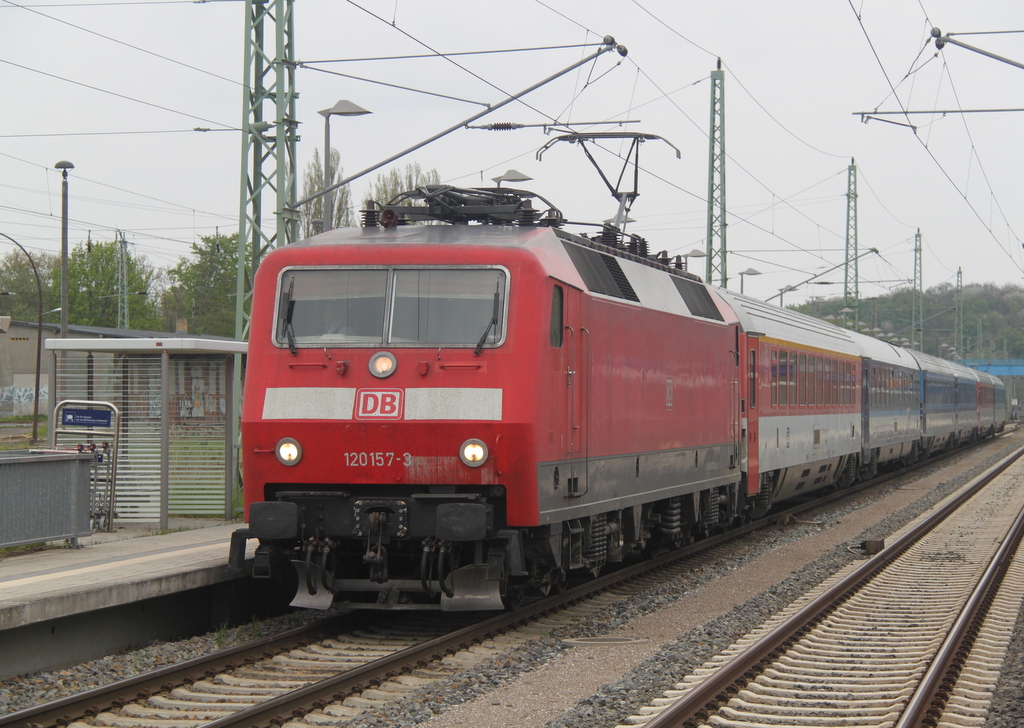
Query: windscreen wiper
{"x": 289, "y": 307}
{"x": 493, "y": 323}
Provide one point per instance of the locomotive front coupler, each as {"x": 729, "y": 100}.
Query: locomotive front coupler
{"x": 376, "y": 556}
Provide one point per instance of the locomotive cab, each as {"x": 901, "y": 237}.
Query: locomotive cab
{"x": 378, "y": 423}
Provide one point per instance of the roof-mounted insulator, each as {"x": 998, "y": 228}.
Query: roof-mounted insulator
{"x": 527, "y": 215}
{"x": 678, "y": 263}
{"x": 551, "y": 219}
{"x": 638, "y": 246}
{"x": 663, "y": 257}
{"x": 609, "y": 236}
{"x": 371, "y": 215}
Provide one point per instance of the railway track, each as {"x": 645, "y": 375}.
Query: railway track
{"x": 351, "y": 664}
{"x": 902, "y": 639}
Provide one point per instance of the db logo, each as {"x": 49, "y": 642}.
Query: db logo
{"x": 379, "y": 404}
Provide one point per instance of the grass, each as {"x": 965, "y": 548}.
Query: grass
{"x": 29, "y": 548}
{"x": 19, "y": 441}
{"x": 222, "y": 634}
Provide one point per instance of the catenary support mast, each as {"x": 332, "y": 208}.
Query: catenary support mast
{"x": 269, "y": 135}
{"x": 851, "y": 277}
{"x": 917, "y": 319}
{"x": 717, "y": 273}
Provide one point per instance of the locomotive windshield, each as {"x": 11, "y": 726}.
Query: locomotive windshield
{"x": 393, "y": 306}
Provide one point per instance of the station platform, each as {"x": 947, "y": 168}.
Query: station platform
{"x": 105, "y": 586}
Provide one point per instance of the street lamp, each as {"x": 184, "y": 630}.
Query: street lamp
{"x": 511, "y": 175}
{"x": 845, "y": 310}
{"x": 64, "y": 166}
{"x": 747, "y": 272}
{"x": 39, "y": 338}
{"x": 342, "y": 108}
{"x": 783, "y": 291}
{"x": 695, "y": 253}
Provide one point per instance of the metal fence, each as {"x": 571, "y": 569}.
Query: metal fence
{"x": 43, "y": 497}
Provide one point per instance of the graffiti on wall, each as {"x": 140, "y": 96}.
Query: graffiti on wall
{"x": 19, "y": 399}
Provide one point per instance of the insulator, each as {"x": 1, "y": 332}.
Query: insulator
{"x": 638, "y": 246}
{"x": 551, "y": 219}
{"x": 527, "y": 215}
{"x": 504, "y": 126}
{"x": 663, "y": 257}
{"x": 677, "y": 263}
{"x": 610, "y": 237}
{"x": 371, "y": 215}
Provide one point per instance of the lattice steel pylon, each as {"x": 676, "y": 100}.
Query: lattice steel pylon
{"x": 122, "y": 279}
{"x": 716, "y": 263}
{"x": 958, "y": 326}
{"x": 851, "y": 275}
{"x": 917, "y": 302}
{"x": 268, "y": 144}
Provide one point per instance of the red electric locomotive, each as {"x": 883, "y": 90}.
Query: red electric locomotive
{"x": 457, "y": 415}
{"x": 453, "y": 416}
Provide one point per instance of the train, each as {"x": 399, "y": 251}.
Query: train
{"x": 461, "y": 403}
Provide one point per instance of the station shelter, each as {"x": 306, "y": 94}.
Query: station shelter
{"x": 177, "y": 425}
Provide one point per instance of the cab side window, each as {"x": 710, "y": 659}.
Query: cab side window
{"x": 557, "y": 325}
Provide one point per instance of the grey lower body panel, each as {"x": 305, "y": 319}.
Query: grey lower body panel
{"x": 620, "y": 481}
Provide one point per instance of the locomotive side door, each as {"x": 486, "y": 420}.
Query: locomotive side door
{"x": 577, "y": 377}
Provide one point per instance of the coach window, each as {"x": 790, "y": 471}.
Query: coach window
{"x": 827, "y": 376}
{"x": 783, "y": 377}
{"x": 792, "y": 377}
{"x": 557, "y": 327}
{"x": 821, "y": 376}
{"x": 775, "y": 377}
{"x": 812, "y": 375}
{"x": 802, "y": 379}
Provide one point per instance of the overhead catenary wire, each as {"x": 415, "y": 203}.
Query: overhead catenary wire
{"x": 925, "y": 146}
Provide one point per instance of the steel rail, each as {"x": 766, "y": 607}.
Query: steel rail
{"x": 928, "y": 701}
{"x": 115, "y": 695}
{"x": 91, "y": 702}
{"x": 277, "y": 711}
{"x": 705, "y": 698}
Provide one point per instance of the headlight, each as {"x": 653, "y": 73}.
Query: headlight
{"x": 383, "y": 364}
{"x": 473, "y": 453}
{"x": 288, "y": 451}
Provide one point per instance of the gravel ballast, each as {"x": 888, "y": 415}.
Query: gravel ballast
{"x": 668, "y": 630}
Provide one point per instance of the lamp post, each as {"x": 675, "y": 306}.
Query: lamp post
{"x": 342, "y": 108}
{"x": 39, "y": 339}
{"x": 747, "y": 272}
{"x": 695, "y": 253}
{"x": 511, "y": 175}
{"x": 64, "y": 166}
{"x": 783, "y": 291}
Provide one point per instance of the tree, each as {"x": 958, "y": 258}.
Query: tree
{"x": 313, "y": 182}
{"x": 202, "y": 288}
{"x": 93, "y": 287}
{"x": 16, "y": 277}
{"x": 389, "y": 184}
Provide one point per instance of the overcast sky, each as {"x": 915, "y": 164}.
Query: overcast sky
{"x": 117, "y": 88}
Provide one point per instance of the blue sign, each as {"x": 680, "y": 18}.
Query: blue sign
{"x": 86, "y": 417}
